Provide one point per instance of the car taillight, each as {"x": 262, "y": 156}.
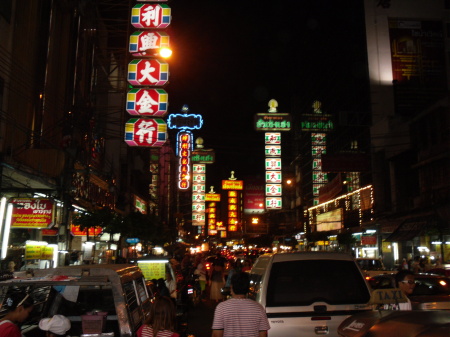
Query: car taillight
{"x": 208, "y": 266}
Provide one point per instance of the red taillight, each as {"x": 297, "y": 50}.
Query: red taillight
{"x": 208, "y": 266}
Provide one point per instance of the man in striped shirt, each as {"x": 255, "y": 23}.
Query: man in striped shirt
{"x": 240, "y": 316}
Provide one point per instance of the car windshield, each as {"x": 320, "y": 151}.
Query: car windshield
{"x": 294, "y": 283}
{"x": 432, "y": 286}
{"x": 370, "y": 264}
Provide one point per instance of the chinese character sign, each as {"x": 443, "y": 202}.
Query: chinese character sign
{"x": 145, "y": 132}
{"x": 148, "y": 72}
{"x": 147, "y": 42}
{"x": 147, "y": 102}
{"x": 150, "y": 16}
{"x": 184, "y": 154}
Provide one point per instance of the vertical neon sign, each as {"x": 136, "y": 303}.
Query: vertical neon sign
{"x": 184, "y": 151}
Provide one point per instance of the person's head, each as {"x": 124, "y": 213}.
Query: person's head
{"x": 55, "y": 326}
{"x": 162, "y": 315}
{"x": 404, "y": 280}
{"x": 240, "y": 283}
{"x": 19, "y": 305}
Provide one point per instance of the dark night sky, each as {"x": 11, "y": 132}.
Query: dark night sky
{"x": 231, "y": 58}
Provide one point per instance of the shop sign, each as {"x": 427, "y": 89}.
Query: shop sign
{"x": 93, "y": 231}
{"x": 273, "y": 177}
{"x": 198, "y": 197}
{"x": 133, "y": 240}
{"x": 272, "y": 138}
{"x": 185, "y": 121}
{"x": 150, "y": 16}
{"x": 316, "y": 122}
{"x": 369, "y": 240}
{"x": 331, "y": 220}
{"x": 184, "y": 145}
{"x": 199, "y": 178}
{"x": 273, "y": 190}
{"x": 199, "y": 168}
{"x": 33, "y": 251}
{"x": 49, "y": 232}
{"x": 141, "y": 42}
{"x": 150, "y": 132}
{"x": 198, "y": 223}
{"x": 31, "y": 212}
{"x": 273, "y": 150}
{"x": 148, "y": 72}
{"x": 232, "y": 185}
{"x": 140, "y": 204}
{"x": 273, "y": 203}
{"x": 198, "y": 207}
{"x": 273, "y": 164}
{"x": 203, "y": 156}
{"x": 153, "y": 269}
{"x": 212, "y": 197}
{"x": 198, "y": 187}
{"x": 273, "y": 122}
{"x": 147, "y": 102}
{"x": 198, "y": 217}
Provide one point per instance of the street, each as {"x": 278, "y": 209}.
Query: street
{"x": 199, "y": 319}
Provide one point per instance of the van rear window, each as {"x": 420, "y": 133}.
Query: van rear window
{"x": 296, "y": 283}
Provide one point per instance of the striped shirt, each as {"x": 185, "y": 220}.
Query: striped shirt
{"x": 147, "y": 331}
{"x": 240, "y": 318}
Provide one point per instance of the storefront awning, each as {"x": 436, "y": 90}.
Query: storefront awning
{"x": 410, "y": 228}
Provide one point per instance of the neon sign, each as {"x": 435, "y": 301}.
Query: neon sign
{"x": 184, "y": 153}
{"x": 185, "y": 121}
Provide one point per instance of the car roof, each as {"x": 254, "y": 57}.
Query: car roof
{"x": 308, "y": 255}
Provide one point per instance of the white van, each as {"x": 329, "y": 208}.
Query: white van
{"x": 308, "y": 293}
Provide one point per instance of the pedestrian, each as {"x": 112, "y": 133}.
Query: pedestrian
{"x": 217, "y": 279}
{"x": 201, "y": 272}
{"x": 404, "y": 280}
{"x": 171, "y": 285}
{"x": 161, "y": 320}
{"x": 19, "y": 306}
{"x": 56, "y": 326}
{"x": 404, "y": 265}
{"x": 240, "y": 316}
{"x": 162, "y": 288}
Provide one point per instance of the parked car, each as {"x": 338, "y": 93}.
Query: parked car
{"x": 432, "y": 292}
{"x": 108, "y": 298}
{"x": 371, "y": 267}
{"x": 434, "y": 323}
{"x": 308, "y": 293}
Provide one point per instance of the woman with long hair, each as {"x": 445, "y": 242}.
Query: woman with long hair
{"x": 161, "y": 320}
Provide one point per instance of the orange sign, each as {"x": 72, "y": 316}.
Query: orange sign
{"x": 232, "y": 184}
{"x": 212, "y": 197}
{"x": 93, "y": 231}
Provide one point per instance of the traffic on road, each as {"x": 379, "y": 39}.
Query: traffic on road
{"x": 304, "y": 293}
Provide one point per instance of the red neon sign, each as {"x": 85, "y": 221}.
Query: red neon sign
{"x": 184, "y": 151}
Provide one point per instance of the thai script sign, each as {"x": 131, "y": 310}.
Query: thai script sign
{"x": 232, "y": 184}
{"x": 31, "y": 212}
{"x": 203, "y": 156}
{"x": 273, "y": 122}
